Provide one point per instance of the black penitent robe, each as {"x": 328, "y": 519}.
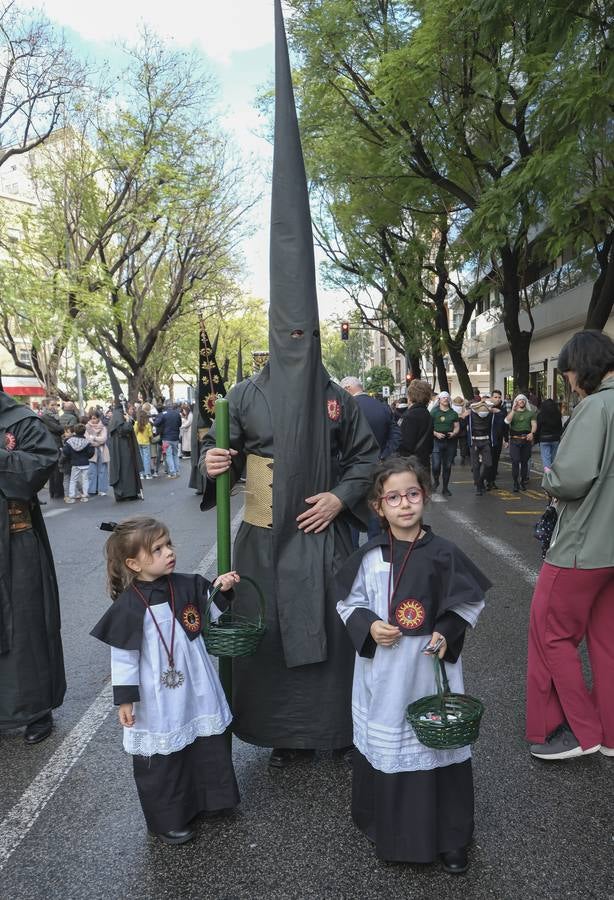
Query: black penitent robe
{"x": 32, "y": 680}
{"x": 296, "y": 690}
{"x": 197, "y": 479}
{"x": 125, "y": 463}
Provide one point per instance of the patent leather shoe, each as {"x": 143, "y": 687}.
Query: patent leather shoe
{"x": 282, "y": 757}
{"x": 455, "y": 862}
{"x": 37, "y": 731}
{"x": 181, "y": 836}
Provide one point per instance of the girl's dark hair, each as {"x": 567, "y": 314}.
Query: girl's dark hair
{"x": 79, "y": 429}
{"x": 590, "y": 354}
{"x": 397, "y": 465}
{"x": 128, "y": 539}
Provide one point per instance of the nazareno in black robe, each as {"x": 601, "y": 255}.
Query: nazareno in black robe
{"x": 32, "y": 680}
{"x": 125, "y": 462}
{"x": 173, "y": 788}
{"x": 295, "y": 691}
{"x": 413, "y": 816}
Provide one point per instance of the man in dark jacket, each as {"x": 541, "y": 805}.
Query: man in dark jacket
{"x": 386, "y": 432}
{"x": 379, "y": 416}
{"x": 32, "y": 681}
{"x": 168, "y": 425}
{"x": 417, "y": 425}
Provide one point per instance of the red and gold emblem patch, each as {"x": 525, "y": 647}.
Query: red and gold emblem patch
{"x": 409, "y": 614}
{"x": 334, "y": 410}
{"x": 191, "y": 618}
{"x": 9, "y": 441}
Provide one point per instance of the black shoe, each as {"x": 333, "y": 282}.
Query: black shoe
{"x": 37, "y": 731}
{"x": 181, "y": 836}
{"x": 455, "y": 862}
{"x": 479, "y": 490}
{"x": 345, "y": 753}
{"x": 435, "y": 485}
{"x": 523, "y": 485}
{"x": 493, "y": 486}
{"x": 516, "y": 487}
{"x": 446, "y": 492}
{"x": 282, "y": 757}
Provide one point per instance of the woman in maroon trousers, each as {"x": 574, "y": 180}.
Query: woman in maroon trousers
{"x": 574, "y": 594}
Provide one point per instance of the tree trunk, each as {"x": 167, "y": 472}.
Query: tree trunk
{"x": 602, "y": 297}
{"x": 460, "y": 367}
{"x": 413, "y": 365}
{"x": 113, "y": 380}
{"x": 442, "y": 375}
{"x": 519, "y": 341}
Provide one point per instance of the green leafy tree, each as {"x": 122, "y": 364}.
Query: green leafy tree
{"x": 448, "y": 98}
{"x": 378, "y": 377}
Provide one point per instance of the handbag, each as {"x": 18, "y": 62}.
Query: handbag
{"x": 544, "y": 527}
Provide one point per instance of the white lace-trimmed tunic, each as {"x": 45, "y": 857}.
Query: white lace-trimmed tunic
{"x": 168, "y": 719}
{"x": 385, "y": 685}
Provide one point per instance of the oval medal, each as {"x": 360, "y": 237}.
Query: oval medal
{"x": 190, "y": 618}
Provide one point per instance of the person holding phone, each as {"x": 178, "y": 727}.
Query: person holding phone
{"x": 403, "y": 596}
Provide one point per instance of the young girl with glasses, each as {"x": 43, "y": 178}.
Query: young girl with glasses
{"x": 403, "y": 592}
{"x": 171, "y": 703}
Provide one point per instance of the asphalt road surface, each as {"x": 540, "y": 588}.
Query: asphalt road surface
{"x": 71, "y": 826}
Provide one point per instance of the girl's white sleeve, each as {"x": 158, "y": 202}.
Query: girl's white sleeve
{"x": 125, "y": 675}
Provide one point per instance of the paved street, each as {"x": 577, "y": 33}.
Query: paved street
{"x": 73, "y": 827}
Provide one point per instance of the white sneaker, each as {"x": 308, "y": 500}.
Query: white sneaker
{"x": 102, "y": 493}
{"x": 607, "y": 751}
{"x": 84, "y": 499}
{"x": 69, "y": 500}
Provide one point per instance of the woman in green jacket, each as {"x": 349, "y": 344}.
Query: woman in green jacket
{"x": 574, "y": 594}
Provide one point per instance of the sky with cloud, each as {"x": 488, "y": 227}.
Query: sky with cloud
{"x": 236, "y": 39}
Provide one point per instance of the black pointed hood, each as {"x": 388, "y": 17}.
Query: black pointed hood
{"x": 298, "y": 379}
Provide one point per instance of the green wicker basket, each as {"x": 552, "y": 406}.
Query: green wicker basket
{"x": 445, "y": 721}
{"x": 233, "y": 634}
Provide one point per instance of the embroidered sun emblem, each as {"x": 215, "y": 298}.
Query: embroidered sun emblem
{"x": 190, "y": 618}
{"x": 334, "y": 410}
{"x": 409, "y": 614}
{"x": 210, "y": 403}
{"x": 9, "y": 441}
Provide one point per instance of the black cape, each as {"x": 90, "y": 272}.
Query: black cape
{"x": 122, "y": 624}
{"x": 125, "y": 462}
{"x": 437, "y": 577}
{"x": 32, "y": 680}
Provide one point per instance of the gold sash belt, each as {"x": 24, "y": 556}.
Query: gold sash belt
{"x": 20, "y": 518}
{"x": 259, "y": 491}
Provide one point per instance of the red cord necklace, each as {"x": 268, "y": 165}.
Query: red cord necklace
{"x": 401, "y": 570}
{"x": 171, "y": 677}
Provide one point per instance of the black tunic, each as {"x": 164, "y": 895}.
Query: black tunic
{"x": 125, "y": 458}
{"x": 173, "y": 788}
{"x": 32, "y": 680}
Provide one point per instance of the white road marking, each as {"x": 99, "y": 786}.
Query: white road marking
{"x": 500, "y": 548}
{"x": 55, "y": 512}
{"x": 20, "y": 819}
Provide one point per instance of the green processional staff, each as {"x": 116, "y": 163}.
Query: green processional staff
{"x": 309, "y": 455}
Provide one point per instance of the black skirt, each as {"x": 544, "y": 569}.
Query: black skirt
{"x": 175, "y": 788}
{"x": 413, "y": 816}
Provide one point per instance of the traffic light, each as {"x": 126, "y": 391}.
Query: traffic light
{"x": 345, "y": 331}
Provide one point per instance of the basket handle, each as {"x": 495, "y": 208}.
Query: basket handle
{"x": 216, "y": 590}
{"x": 441, "y": 676}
